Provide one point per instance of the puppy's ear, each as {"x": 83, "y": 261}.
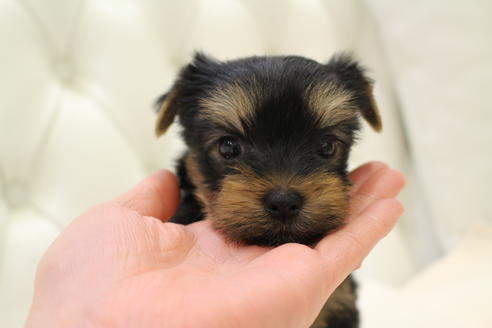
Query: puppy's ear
{"x": 167, "y": 109}
{"x": 191, "y": 80}
{"x": 347, "y": 73}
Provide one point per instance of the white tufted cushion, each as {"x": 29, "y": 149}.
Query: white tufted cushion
{"x": 76, "y": 127}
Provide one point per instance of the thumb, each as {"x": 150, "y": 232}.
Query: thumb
{"x": 157, "y": 196}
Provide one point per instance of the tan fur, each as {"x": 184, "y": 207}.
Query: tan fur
{"x": 233, "y": 105}
{"x": 201, "y": 193}
{"x": 238, "y": 211}
{"x": 342, "y": 299}
{"x": 371, "y": 114}
{"x": 331, "y": 104}
{"x": 166, "y": 114}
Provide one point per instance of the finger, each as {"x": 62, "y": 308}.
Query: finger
{"x": 385, "y": 183}
{"x": 157, "y": 196}
{"x": 300, "y": 270}
{"x": 364, "y": 172}
{"x": 345, "y": 249}
{"x": 212, "y": 243}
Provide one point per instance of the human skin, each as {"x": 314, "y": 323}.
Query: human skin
{"x": 119, "y": 265}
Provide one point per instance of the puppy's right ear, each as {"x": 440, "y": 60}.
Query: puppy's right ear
{"x": 192, "y": 80}
{"x": 167, "y": 110}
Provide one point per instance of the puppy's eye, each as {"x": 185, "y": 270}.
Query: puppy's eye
{"x": 327, "y": 146}
{"x": 229, "y": 147}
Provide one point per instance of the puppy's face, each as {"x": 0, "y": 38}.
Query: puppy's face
{"x": 269, "y": 139}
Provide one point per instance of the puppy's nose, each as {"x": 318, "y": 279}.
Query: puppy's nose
{"x": 283, "y": 204}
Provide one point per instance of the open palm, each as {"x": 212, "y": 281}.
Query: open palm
{"x": 118, "y": 265}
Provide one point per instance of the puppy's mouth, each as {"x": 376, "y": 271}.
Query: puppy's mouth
{"x": 264, "y": 230}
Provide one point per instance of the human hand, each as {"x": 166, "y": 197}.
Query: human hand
{"x": 119, "y": 265}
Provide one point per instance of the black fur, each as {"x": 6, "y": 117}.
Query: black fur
{"x": 282, "y": 136}
{"x": 348, "y": 317}
{"x": 283, "y": 130}
{"x": 189, "y": 210}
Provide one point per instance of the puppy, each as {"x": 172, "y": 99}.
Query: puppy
{"x": 268, "y": 142}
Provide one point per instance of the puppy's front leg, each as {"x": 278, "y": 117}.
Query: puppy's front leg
{"x": 340, "y": 311}
{"x": 189, "y": 209}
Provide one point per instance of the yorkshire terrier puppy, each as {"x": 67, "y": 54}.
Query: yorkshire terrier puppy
{"x": 268, "y": 142}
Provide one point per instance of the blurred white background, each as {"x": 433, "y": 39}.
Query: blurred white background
{"x": 79, "y": 77}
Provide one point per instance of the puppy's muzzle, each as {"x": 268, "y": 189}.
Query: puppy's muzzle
{"x": 283, "y": 204}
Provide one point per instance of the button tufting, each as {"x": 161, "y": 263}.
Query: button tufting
{"x": 15, "y": 193}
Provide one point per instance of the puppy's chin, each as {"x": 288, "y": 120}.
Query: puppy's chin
{"x": 263, "y": 230}
{"x": 277, "y": 238}
{"x": 273, "y": 241}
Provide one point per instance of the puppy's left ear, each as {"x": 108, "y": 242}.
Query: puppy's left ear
{"x": 351, "y": 76}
